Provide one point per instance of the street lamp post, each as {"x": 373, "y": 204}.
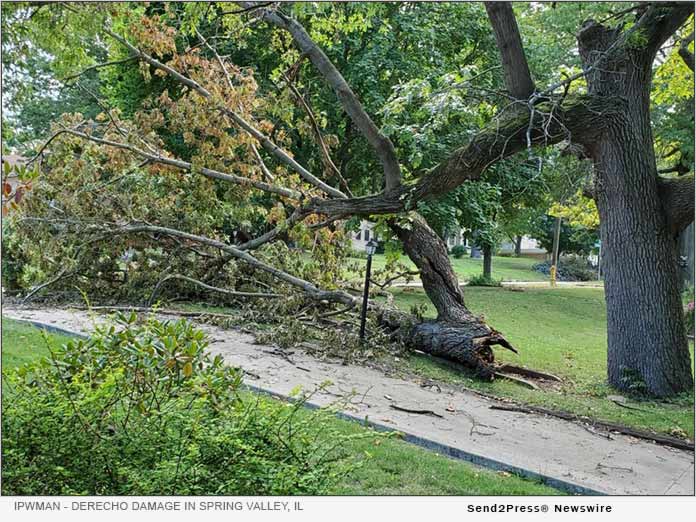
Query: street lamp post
{"x": 370, "y": 248}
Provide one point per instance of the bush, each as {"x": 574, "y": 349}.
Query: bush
{"x": 13, "y": 261}
{"x": 144, "y": 411}
{"x": 458, "y": 251}
{"x": 481, "y": 280}
{"x": 570, "y": 268}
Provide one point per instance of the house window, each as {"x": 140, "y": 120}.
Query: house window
{"x": 366, "y": 236}
{"x": 357, "y": 235}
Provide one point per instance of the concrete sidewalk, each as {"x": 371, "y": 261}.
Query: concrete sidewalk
{"x": 565, "y": 454}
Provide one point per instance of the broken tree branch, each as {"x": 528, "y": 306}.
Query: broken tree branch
{"x": 393, "y": 278}
{"x": 307, "y": 287}
{"x": 416, "y": 410}
{"x": 265, "y": 142}
{"x": 518, "y": 380}
{"x": 185, "y": 165}
{"x": 269, "y": 236}
{"x": 349, "y": 101}
{"x": 580, "y": 118}
{"x": 326, "y": 155}
{"x": 509, "y": 368}
{"x": 99, "y": 66}
{"x": 518, "y": 79}
{"x": 625, "y": 430}
{"x": 60, "y": 275}
{"x": 232, "y": 293}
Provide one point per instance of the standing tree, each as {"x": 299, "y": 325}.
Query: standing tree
{"x": 641, "y": 213}
{"x": 646, "y": 335}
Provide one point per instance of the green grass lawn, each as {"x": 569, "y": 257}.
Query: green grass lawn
{"x": 388, "y": 466}
{"x": 561, "y": 331}
{"x": 505, "y": 268}
{"x": 23, "y": 343}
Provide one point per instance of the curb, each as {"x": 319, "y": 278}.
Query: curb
{"x": 53, "y": 329}
{"x": 448, "y": 451}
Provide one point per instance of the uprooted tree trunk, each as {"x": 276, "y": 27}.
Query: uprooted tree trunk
{"x": 456, "y": 333}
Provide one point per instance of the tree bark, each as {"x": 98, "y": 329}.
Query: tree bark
{"x": 518, "y": 79}
{"x": 518, "y": 246}
{"x": 487, "y": 261}
{"x": 685, "y": 247}
{"x": 647, "y": 344}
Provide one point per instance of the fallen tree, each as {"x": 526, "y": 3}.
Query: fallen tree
{"x": 612, "y": 118}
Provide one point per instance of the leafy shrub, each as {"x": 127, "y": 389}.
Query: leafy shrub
{"x": 570, "y": 268}
{"x": 12, "y": 259}
{"x": 458, "y": 251}
{"x": 143, "y": 410}
{"x": 481, "y": 280}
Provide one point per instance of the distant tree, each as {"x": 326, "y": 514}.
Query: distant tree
{"x": 574, "y": 239}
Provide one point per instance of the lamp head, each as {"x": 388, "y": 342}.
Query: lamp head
{"x": 371, "y": 247}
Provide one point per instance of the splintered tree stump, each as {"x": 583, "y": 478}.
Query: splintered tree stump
{"x": 466, "y": 343}
{"x": 469, "y": 343}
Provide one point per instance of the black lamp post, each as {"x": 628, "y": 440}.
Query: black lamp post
{"x": 370, "y": 248}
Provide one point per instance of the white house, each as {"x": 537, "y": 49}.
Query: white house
{"x": 529, "y": 247}
{"x": 362, "y": 236}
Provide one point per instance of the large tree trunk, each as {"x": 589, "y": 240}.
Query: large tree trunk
{"x": 518, "y": 246}
{"x": 456, "y": 334}
{"x": 647, "y": 344}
